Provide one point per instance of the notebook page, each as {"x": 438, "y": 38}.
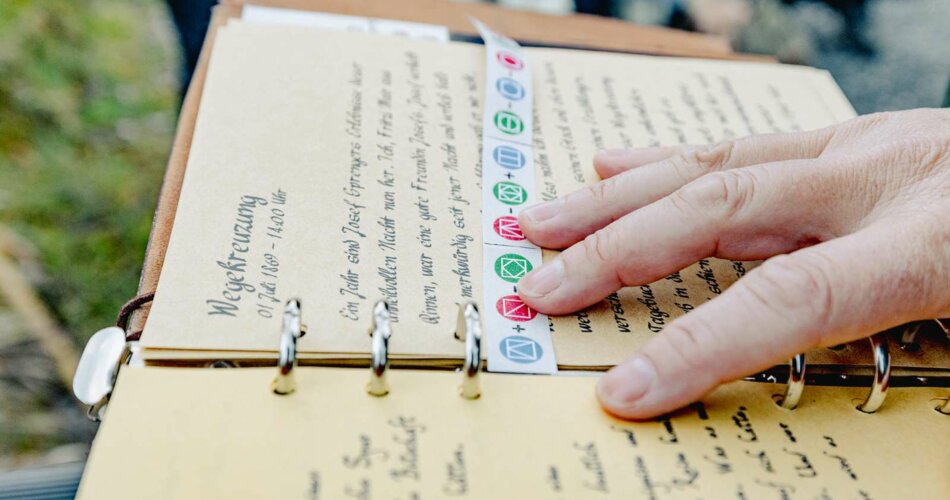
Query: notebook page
{"x": 202, "y": 433}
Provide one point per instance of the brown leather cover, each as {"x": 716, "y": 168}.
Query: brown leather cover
{"x": 580, "y": 31}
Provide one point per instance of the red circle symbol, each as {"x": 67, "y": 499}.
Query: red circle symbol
{"x": 508, "y": 228}
{"x": 513, "y": 308}
{"x": 510, "y": 61}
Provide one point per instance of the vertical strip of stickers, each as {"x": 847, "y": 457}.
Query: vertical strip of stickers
{"x": 518, "y": 338}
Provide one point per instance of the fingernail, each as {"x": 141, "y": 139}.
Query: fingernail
{"x": 611, "y": 153}
{"x": 543, "y": 280}
{"x": 625, "y": 384}
{"x": 544, "y": 211}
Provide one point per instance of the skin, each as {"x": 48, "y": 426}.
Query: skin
{"x": 853, "y": 219}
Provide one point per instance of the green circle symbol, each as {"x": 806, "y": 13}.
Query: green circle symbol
{"x": 510, "y": 193}
{"x": 511, "y": 267}
{"x": 509, "y": 123}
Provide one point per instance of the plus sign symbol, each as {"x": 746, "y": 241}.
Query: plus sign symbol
{"x": 508, "y": 228}
{"x": 511, "y": 307}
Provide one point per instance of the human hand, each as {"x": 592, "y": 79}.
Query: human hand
{"x": 854, "y": 220}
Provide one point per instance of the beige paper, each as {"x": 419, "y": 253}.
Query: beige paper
{"x": 344, "y": 169}
{"x": 192, "y": 433}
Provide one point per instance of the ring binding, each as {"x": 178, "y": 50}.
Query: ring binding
{"x": 796, "y": 383}
{"x": 290, "y": 331}
{"x": 909, "y": 336}
{"x": 875, "y": 398}
{"x": 469, "y": 329}
{"x": 110, "y": 348}
{"x": 380, "y": 331}
{"x": 882, "y": 375}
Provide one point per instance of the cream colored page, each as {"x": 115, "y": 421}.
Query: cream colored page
{"x": 193, "y": 433}
{"x": 366, "y": 153}
{"x": 370, "y": 144}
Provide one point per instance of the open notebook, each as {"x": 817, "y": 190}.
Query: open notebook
{"x": 341, "y": 169}
{"x": 345, "y": 169}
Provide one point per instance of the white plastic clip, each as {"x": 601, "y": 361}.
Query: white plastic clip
{"x": 98, "y": 368}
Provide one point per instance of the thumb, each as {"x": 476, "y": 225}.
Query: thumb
{"x": 821, "y": 295}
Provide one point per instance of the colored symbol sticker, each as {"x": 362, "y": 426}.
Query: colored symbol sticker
{"x": 521, "y": 349}
{"x": 509, "y": 157}
{"x": 510, "y": 61}
{"x": 509, "y": 123}
{"x": 507, "y": 227}
{"x": 510, "y": 193}
{"x": 511, "y": 267}
{"x": 510, "y": 89}
{"x": 511, "y": 307}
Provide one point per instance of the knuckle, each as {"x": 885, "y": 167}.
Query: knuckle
{"x": 602, "y": 249}
{"x": 727, "y": 193}
{"x": 693, "y": 162}
{"x": 598, "y": 192}
{"x": 791, "y": 285}
{"x": 591, "y": 197}
{"x": 599, "y": 246}
{"x": 824, "y": 139}
{"x": 682, "y": 167}
{"x": 717, "y": 156}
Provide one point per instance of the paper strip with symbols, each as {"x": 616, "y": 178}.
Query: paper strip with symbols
{"x": 518, "y": 337}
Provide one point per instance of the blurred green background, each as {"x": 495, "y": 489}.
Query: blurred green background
{"x": 88, "y": 99}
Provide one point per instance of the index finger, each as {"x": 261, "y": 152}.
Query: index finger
{"x": 565, "y": 221}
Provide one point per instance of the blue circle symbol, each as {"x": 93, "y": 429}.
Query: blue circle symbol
{"x": 521, "y": 349}
{"x": 510, "y": 89}
{"x": 509, "y": 157}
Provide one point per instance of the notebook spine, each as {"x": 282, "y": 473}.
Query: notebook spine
{"x": 291, "y": 330}
{"x": 875, "y": 398}
{"x": 109, "y": 349}
{"x": 469, "y": 330}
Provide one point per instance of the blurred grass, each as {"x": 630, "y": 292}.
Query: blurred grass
{"x": 87, "y": 107}
{"x": 88, "y": 99}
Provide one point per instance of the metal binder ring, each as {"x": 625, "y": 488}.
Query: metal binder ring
{"x": 882, "y": 375}
{"x": 909, "y": 336}
{"x": 469, "y": 328}
{"x": 290, "y": 331}
{"x": 379, "y": 363}
{"x": 796, "y": 383}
